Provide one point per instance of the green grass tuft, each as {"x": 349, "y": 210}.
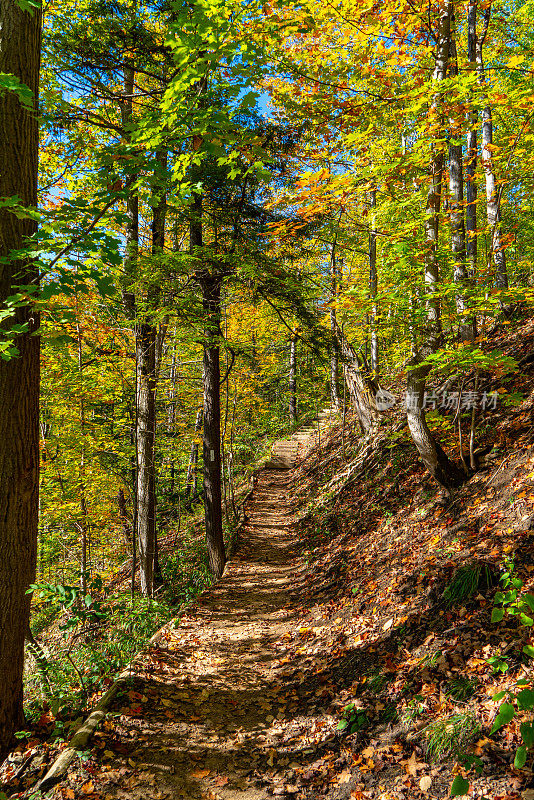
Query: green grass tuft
{"x": 466, "y": 582}
{"x": 450, "y": 736}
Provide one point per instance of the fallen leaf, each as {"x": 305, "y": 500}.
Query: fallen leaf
{"x": 201, "y": 773}
{"x": 425, "y": 783}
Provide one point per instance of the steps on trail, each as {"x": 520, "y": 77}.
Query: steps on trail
{"x": 284, "y": 452}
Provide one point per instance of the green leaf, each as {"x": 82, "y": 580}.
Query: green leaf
{"x": 497, "y": 614}
{"x": 528, "y": 650}
{"x": 459, "y": 786}
{"x": 520, "y": 757}
{"x": 10, "y": 83}
{"x": 527, "y": 733}
{"x": 528, "y": 599}
{"x": 506, "y": 713}
{"x": 28, "y": 5}
{"x": 525, "y": 698}
{"x": 342, "y": 724}
{"x": 498, "y": 696}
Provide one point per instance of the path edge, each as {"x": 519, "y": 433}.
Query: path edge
{"x": 84, "y": 733}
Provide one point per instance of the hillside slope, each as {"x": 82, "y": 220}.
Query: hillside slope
{"x": 346, "y": 652}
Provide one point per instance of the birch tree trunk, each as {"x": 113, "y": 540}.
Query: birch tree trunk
{"x": 20, "y": 47}
{"x": 493, "y": 204}
{"x": 432, "y": 455}
{"x": 456, "y": 192}
{"x": 373, "y": 288}
{"x": 472, "y": 154}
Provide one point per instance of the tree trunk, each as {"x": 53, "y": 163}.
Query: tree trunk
{"x": 292, "y": 386}
{"x": 211, "y": 377}
{"x": 20, "y": 47}
{"x": 211, "y": 301}
{"x": 146, "y": 488}
{"x": 456, "y": 192}
{"x": 493, "y": 199}
{"x": 434, "y": 458}
{"x": 83, "y": 525}
{"x": 362, "y": 388}
{"x": 334, "y": 358}
{"x": 472, "y": 154}
{"x": 146, "y": 349}
{"x": 131, "y": 246}
{"x": 130, "y": 262}
{"x": 373, "y": 289}
{"x": 191, "y": 476}
{"x": 125, "y": 520}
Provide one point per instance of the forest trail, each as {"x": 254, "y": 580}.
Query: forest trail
{"x": 201, "y": 718}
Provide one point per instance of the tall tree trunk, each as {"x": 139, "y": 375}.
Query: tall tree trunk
{"x": 131, "y": 245}
{"x": 434, "y": 458}
{"x": 210, "y": 286}
{"x": 493, "y": 199}
{"x": 472, "y": 153}
{"x": 211, "y": 301}
{"x": 334, "y": 357}
{"x": 146, "y": 350}
{"x": 362, "y": 388}
{"x": 146, "y": 489}
{"x": 20, "y": 47}
{"x": 456, "y": 192}
{"x": 373, "y": 288}
{"x": 130, "y": 263}
{"x": 83, "y": 525}
{"x": 292, "y": 385}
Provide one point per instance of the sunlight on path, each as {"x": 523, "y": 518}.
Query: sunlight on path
{"x": 200, "y": 721}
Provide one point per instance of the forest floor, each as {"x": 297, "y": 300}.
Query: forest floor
{"x": 207, "y": 707}
{"x": 342, "y": 655}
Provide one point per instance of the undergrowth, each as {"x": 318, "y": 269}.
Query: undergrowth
{"x": 449, "y": 736}
{"x": 466, "y": 582}
{"x": 90, "y": 638}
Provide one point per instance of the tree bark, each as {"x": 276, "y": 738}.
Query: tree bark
{"x": 362, "y": 388}
{"x": 210, "y": 286}
{"x": 456, "y": 193}
{"x": 493, "y": 204}
{"x": 292, "y": 385}
{"x": 146, "y": 489}
{"x": 472, "y": 153}
{"x": 20, "y": 46}
{"x": 434, "y": 458}
{"x": 146, "y": 347}
{"x": 211, "y": 301}
{"x": 334, "y": 357}
{"x": 130, "y": 263}
{"x": 373, "y": 288}
{"x": 191, "y": 475}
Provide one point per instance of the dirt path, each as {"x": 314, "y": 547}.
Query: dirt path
{"x": 201, "y": 719}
